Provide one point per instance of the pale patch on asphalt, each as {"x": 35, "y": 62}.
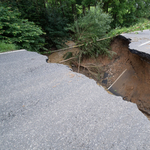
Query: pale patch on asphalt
{"x": 144, "y": 43}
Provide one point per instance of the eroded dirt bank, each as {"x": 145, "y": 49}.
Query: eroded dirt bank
{"x": 133, "y": 85}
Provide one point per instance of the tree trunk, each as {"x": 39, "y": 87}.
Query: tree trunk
{"x": 74, "y": 12}
{"x": 44, "y": 3}
{"x": 73, "y": 9}
{"x": 62, "y": 8}
{"x": 88, "y": 7}
{"x": 105, "y": 7}
{"x": 83, "y": 10}
{"x": 56, "y": 2}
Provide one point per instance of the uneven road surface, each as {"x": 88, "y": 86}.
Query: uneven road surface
{"x": 48, "y": 107}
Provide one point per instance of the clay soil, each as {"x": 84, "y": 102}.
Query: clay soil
{"x": 133, "y": 86}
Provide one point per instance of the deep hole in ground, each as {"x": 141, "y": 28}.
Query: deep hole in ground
{"x": 131, "y": 66}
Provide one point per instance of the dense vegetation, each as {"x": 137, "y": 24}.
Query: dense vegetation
{"x": 20, "y": 32}
{"x": 40, "y": 25}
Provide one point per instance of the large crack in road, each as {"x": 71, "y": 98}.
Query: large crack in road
{"x": 127, "y": 74}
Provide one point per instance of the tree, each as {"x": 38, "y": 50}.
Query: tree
{"x": 125, "y": 12}
{"x": 21, "y": 32}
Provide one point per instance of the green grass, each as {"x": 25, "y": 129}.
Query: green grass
{"x": 7, "y": 47}
{"x": 142, "y": 24}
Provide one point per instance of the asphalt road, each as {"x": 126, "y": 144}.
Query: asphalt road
{"x": 48, "y": 107}
{"x": 140, "y": 40}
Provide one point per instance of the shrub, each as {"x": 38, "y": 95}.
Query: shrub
{"x": 91, "y": 27}
{"x": 18, "y": 31}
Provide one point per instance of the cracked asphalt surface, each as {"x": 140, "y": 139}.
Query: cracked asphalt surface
{"x": 48, "y": 107}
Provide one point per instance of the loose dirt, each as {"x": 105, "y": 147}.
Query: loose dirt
{"x": 133, "y": 85}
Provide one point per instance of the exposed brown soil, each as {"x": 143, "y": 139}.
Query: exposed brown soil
{"x": 134, "y": 84}
{"x": 57, "y": 57}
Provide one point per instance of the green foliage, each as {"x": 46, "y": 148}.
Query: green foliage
{"x": 142, "y": 24}
{"x": 94, "y": 49}
{"x": 90, "y": 28}
{"x": 20, "y": 32}
{"x": 54, "y": 26}
{"x": 94, "y": 24}
{"x": 126, "y": 13}
{"x": 52, "y": 16}
{"x": 7, "y": 47}
{"x": 88, "y": 2}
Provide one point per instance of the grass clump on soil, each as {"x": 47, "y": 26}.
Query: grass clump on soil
{"x": 4, "y": 47}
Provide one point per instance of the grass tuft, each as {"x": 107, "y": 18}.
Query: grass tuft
{"x": 4, "y": 47}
